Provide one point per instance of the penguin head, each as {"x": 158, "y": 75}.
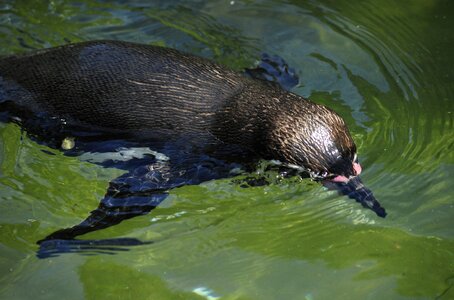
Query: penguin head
{"x": 314, "y": 138}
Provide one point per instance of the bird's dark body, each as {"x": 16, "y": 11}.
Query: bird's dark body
{"x": 121, "y": 88}
{"x": 139, "y": 90}
{"x": 157, "y": 96}
{"x": 153, "y": 91}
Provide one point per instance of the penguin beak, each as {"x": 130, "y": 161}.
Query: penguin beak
{"x": 357, "y": 168}
{"x": 356, "y": 171}
{"x": 354, "y": 188}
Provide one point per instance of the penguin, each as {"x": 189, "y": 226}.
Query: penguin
{"x": 204, "y": 120}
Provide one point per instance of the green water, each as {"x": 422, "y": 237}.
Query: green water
{"x": 386, "y": 66}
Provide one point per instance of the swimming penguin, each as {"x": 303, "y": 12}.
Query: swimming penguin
{"x": 186, "y": 107}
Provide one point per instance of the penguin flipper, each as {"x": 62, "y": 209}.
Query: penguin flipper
{"x": 132, "y": 194}
{"x": 274, "y": 69}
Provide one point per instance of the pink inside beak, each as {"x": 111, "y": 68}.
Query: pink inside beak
{"x": 356, "y": 168}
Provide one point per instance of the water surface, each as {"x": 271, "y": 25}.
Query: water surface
{"x": 385, "y": 66}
